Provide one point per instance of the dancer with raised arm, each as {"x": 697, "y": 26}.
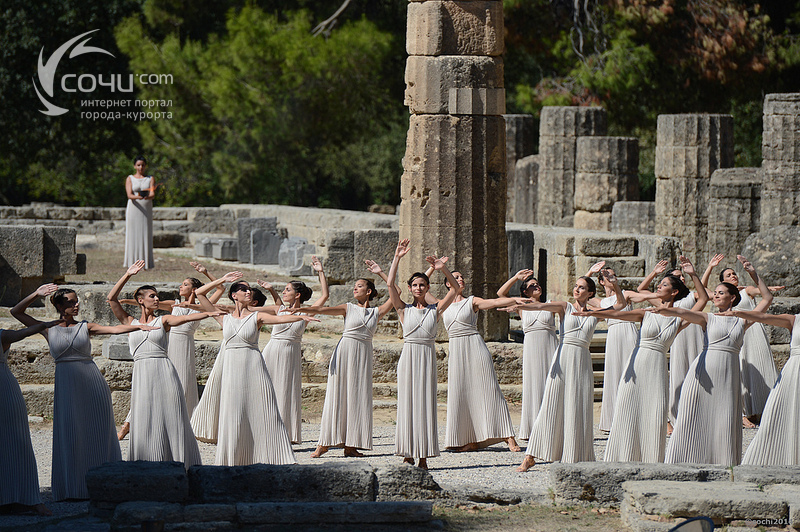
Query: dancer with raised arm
{"x": 160, "y": 429}
{"x": 19, "y": 478}
{"x": 283, "y": 354}
{"x": 539, "y": 347}
{"x": 417, "y": 434}
{"x": 250, "y": 427}
{"x": 708, "y": 429}
{"x": 84, "y": 435}
{"x": 564, "y": 428}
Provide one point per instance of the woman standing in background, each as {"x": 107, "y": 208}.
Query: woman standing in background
{"x": 140, "y": 189}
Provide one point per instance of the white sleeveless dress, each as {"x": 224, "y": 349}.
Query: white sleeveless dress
{"x": 139, "y": 226}
{"x": 160, "y": 428}
{"x": 708, "y": 429}
{"x": 564, "y": 428}
{"x": 347, "y": 412}
{"x": 205, "y": 418}
{"x": 19, "y": 479}
{"x": 539, "y": 347}
{"x": 777, "y": 441}
{"x": 477, "y": 411}
{"x": 639, "y": 432}
{"x": 84, "y": 435}
{"x": 689, "y": 343}
{"x": 416, "y": 435}
{"x": 250, "y": 427}
{"x": 181, "y": 352}
{"x": 757, "y": 364}
{"x": 620, "y": 343}
{"x": 283, "y": 358}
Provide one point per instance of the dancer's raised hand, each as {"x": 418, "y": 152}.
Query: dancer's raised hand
{"x": 199, "y": 267}
{"x": 403, "y": 247}
{"x": 661, "y": 267}
{"x": 686, "y": 265}
{"x": 746, "y": 264}
{"x": 231, "y": 277}
{"x": 715, "y": 260}
{"x": 523, "y": 274}
{"x": 373, "y": 266}
{"x": 596, "y": 267}
{"x": 316, "y": 264}
{"x": 136, "y": 267}
{"x": 46, "y": 290}
{"x": 437, "y": 263}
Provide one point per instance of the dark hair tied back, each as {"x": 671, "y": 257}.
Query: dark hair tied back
{"x": 722, "y": 274}
{"x": 590, "y": 284}
{"x": 59, "y": 297}
{"x": 370, "y": 286}
{"x": 524, "y": 286}
{"x": 142, "y": 289}
{"x": 301, "y": 288}
{"x": 195, "y": 282}
{"x": 732, "y": 290}
{"x": 418, "y": 275}
{"x": 139, "y": 158}
{"x": 678, "y": 285}
{"x": 235, "y": 287}
{"x": 258, "y": 297}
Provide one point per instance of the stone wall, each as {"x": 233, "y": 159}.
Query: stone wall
{"x": 634, "y": 217}
{"x": 733, "y": 212}
{"x": 520, "y": 145}
{"x": 781, "y": 165}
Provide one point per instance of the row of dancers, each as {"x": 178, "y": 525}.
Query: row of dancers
{"x": 251, "y": 404}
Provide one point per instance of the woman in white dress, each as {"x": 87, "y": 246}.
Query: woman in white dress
{"x": 250, "y": 427}
{"x": 19, "y": 478}
{"x": 84, "y": 435}
{"x": 540, "y": 344}
{"x": 708, "y": 429}
{"x": 416, "y": 436}
{"x": 283, "y": 355}
{"x": 777, "y": 442}
{"x": 140, "y": 190}
{"x": 564, "y": 429}
{"x": 160, "y": 429}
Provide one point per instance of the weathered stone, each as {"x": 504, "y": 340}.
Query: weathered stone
{"x": 138, "y": 481}
{"x": 775, "y": 252}
{"x": 780, "y": 193}
{"x": 38, "y": 399}
{"x": 622, "y": 266}
{"x": 455, "y": 28}
{"x": 203, "y": 247}
{"x": 782, "y": 104}
{"x": 767, "y": 475}
{"x": 334, "y": 512}
{"x": 245, "y": 227}
{"x": 59, "y": 251}
{"x": 608, "y": 155}
{"x": 403, "y": 482}
{"x": 734, "y": 209}
{"x": 121, "y": 402}
{"x": 654, "y": 248}
{"x": 572, "y": 121}
{"x": 209, "y": 512}
{"x": 524, "y": 191}
{"x": 224, "y": 248}
{"x": 605, "y": 246}
{"x": 169, "y": 213}
{"x": 340, "y": 260}
{"x": 212, "y": 220}
{"x": 135, "y": 512}
{"x": 480, "y": 101}
{"x": 95, "y": 308}
{"x": 31, "y": 363}
{"x": 169, "y": 239}
{"x": 23, "y": 249}
{"x": 598, "y": 221}
{"x": 373, "y": 244}
{"x": 682, "y": 211}
{"x": 118, "y": 374}
{"x": 520, "y": 252}
{"x": 265, "y": 246}
{"x": 291, "y": 253}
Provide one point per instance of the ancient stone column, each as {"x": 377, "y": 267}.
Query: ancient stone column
{"x": 689, "y": 148}
{"x": 453, "y": 188}
{"x": 780, "y": 147}
{"x": 520, "y": 143}
{"x": 733, "y": 211}
{"x": 607, "y": 172}
{"x": 559, "y": 129}
{"x": 526, "y": 176}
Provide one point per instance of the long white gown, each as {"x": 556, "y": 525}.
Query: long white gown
{"x": 639, "y": 432}
{"x": 160, "y": 428}
{"x": 689, "y": 343}
{"x": 181, "y": 352}
{"x": 620, "y": 343}
{"x": 19, "y": 479}
{"x": 477, "y": 411}
{"x": 139, "y": 226}
{"x": 708, "y": 429}
{"x": 205, "y": 418}
{"x": 283, "y": 357}
{"x": 757, "y": 365}
{"x": 564, "y": 428}
{"x": 777, "y": 441}
{"x": 539, "y": 347}
{"x": 250, "y": 427}
{"x": 416, "y": 435}
{"x": 347, "y": 412}
{"x": 84, "y": 435}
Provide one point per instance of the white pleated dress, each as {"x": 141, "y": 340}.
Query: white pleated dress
{"x": 205, "y": 418}
{"x": 539, "y": 347}
{"x": 19, "y": 479}
{"x": 564, "y": 428}
{"x": 160, "y": 428}
{"x": 708, "y": 429}
{"x": 139, "y": 226}
{"x": 181, "y": 352}
{"x": 757, "y": 364}
{"x": 620, "y": 343}
{"x": 638, "y": 431}
{"x": 283, "y": 357}
{"x": 777, "y": 441}
{"x": 416, "y": 435}
{"x": 477, "y": 411}
{"x": 689, "y": 343}
{"x": 84, "y": 434}
{"x": 347, "y": 412}
{"x": 250, "y": 427}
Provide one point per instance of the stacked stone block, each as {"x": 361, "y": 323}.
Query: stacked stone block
{"x": 523, "y": 198}
{"x": 634, "y": 217}
{"x": 559, "y": 129}
{"x": 780, "y": 204}
{"x": 454, "y": 188}
{"x": 520, "y": 143}
{"x": 607, "y": 172}
{"x": 734, "y": 210}
{"x": 690, "y": 147}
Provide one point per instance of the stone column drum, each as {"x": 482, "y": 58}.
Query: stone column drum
{"x": 453, "y": 189}
{"x": 780, "y": 146}
{"x": 520, "y": 143}
{"x": 524, "y": 195}
{"x": 734, "y": 211}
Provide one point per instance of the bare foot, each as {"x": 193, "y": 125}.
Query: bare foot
{"x": 512, "y": 445}
{"x": 126, "y": 428}
{"x": 408, "y": 461}
{"x": 669, "y": 428}
{"x": 466, "y": 448}
{"x": 321, "y": 449}
{"x": 41, "y": 509}
{"x": 527, "y": 463}
{"x": 423, "y": 464}
{"x": 352, "y": 452}
{"x": 746, "y": 423}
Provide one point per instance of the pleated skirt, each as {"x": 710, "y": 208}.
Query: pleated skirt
{"x": 416, "y": 435}
{"x": 708, "y": 429}
{"x": 160, "y": 427}
{"x": 19, "y": 479}
{"x": 181, "y": 353}
{"x": 283, "y": 360}
{"x": 205, "y": 418}
{"x": 347, "y": 412}
{"x": 686, "y": 347}
{"x": 638, "y": 431}
{"x": 564, "y": 428}
{"x": 758, "y": 370}
{"x": 537, "y": 355}
{"x": 620, "y": 343}
{"x": 477, "y": 411}
{"x": 84, "y": 434}
{"x": 777, "y": 441}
